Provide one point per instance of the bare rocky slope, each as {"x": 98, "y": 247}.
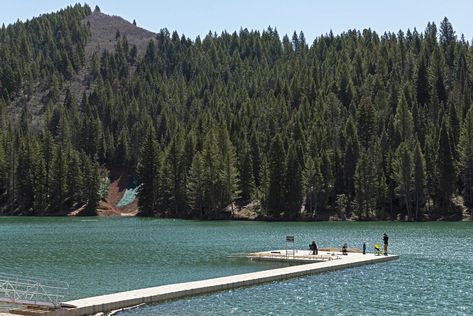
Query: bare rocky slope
{"x": 103, "y": 29}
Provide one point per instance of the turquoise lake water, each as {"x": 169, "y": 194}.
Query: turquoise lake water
{"x": 434, "y": 274}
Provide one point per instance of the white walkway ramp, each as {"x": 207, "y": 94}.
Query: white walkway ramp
{"x": 105, "y": 303}
{"x": 22, "y": 290}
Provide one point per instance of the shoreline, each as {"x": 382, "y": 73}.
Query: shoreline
{"x": 257, "y": 219}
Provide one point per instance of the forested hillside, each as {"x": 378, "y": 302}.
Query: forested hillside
{"x": 357, "y": 125}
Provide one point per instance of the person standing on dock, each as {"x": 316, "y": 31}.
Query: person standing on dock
{"x": 364, "y": 247}
{"x": 385, "y": 240}
{"x": 314, "y": 248}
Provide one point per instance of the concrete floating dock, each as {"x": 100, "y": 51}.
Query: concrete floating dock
{"x": 117, "y": 301}
{"x": 296, "y": 256}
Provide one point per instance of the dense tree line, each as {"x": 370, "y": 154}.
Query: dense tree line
{"x": 356, "y": 124}
{"x": 43, "y": 172}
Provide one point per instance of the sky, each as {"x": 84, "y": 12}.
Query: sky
{"x": 314, "y": 18}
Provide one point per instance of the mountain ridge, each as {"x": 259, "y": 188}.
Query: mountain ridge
{"x": 103, "y": 29}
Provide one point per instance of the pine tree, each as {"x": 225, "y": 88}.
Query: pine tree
{"x": 365, "y": 179}
{"x": 326, "y": 167}
{"x": 277, "y": 170}
{"x": 186, "y": 163}
{"x": 430, "y": 150}
{"x": 166, "y": 203}
{"x": 437, "y": 81}
{"x": 350, "y": 159}
{"x": 346, "y": 89}
{"x": 75, "y": 178}
{"x": 92, "y": 185}
{"x": 404, "y": 170}
{"x": 247, "y": 182}
{"x": 3, "y": 169}
{"x": 58, "y": 180}
{"x": 313, "y": 184}
{"x": 447, "y": 40}
{"x": 54, "y": 88}
{"x": 122, "y": 151}
{"x": 403, "y": 120}
{"x": 462, "y": 82}
{"x": 195, "y": 185}
{"x": 255, "y": 158}
{"x": 419, "y": 180}
{"x": 294, "y": 189}
{"x": 38, "y": 181}
{"x": 48, "y": 149}
{"x": 455, "y": 128}
{"x": 366, "y": 122}
{"x": 390, "y": 180}
{"x": 94, "y": 66}
{"x": 24, "y": 173}
{"x": 211, "y": 164}
{"x": 446, "y": 169}
{"x": 333, "y": 117}
{"x": 466, "y": 157}
{"x": 229, "y": 176}
{"x": 149, "y": 175}
{"x": 422, "y": 81}
{"x": 380, "y": 185}
{"x": 263, "y": 191}
{"x": 173, "y": 163}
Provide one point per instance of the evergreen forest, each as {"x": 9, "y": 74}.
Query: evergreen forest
{"x": 355, "y": 125}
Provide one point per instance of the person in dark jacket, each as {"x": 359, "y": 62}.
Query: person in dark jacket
{"x": 345, "y": 249}
{"x": 385, "y": 240}
{"x": 314, "y": 248}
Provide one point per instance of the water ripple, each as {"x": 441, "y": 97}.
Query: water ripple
{"x": 433, "y": 275}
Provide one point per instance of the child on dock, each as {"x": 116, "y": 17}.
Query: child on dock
{"x": 377, "y": 250}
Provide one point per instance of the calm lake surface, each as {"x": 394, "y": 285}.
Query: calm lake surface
{"x": 434, "y": 274}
